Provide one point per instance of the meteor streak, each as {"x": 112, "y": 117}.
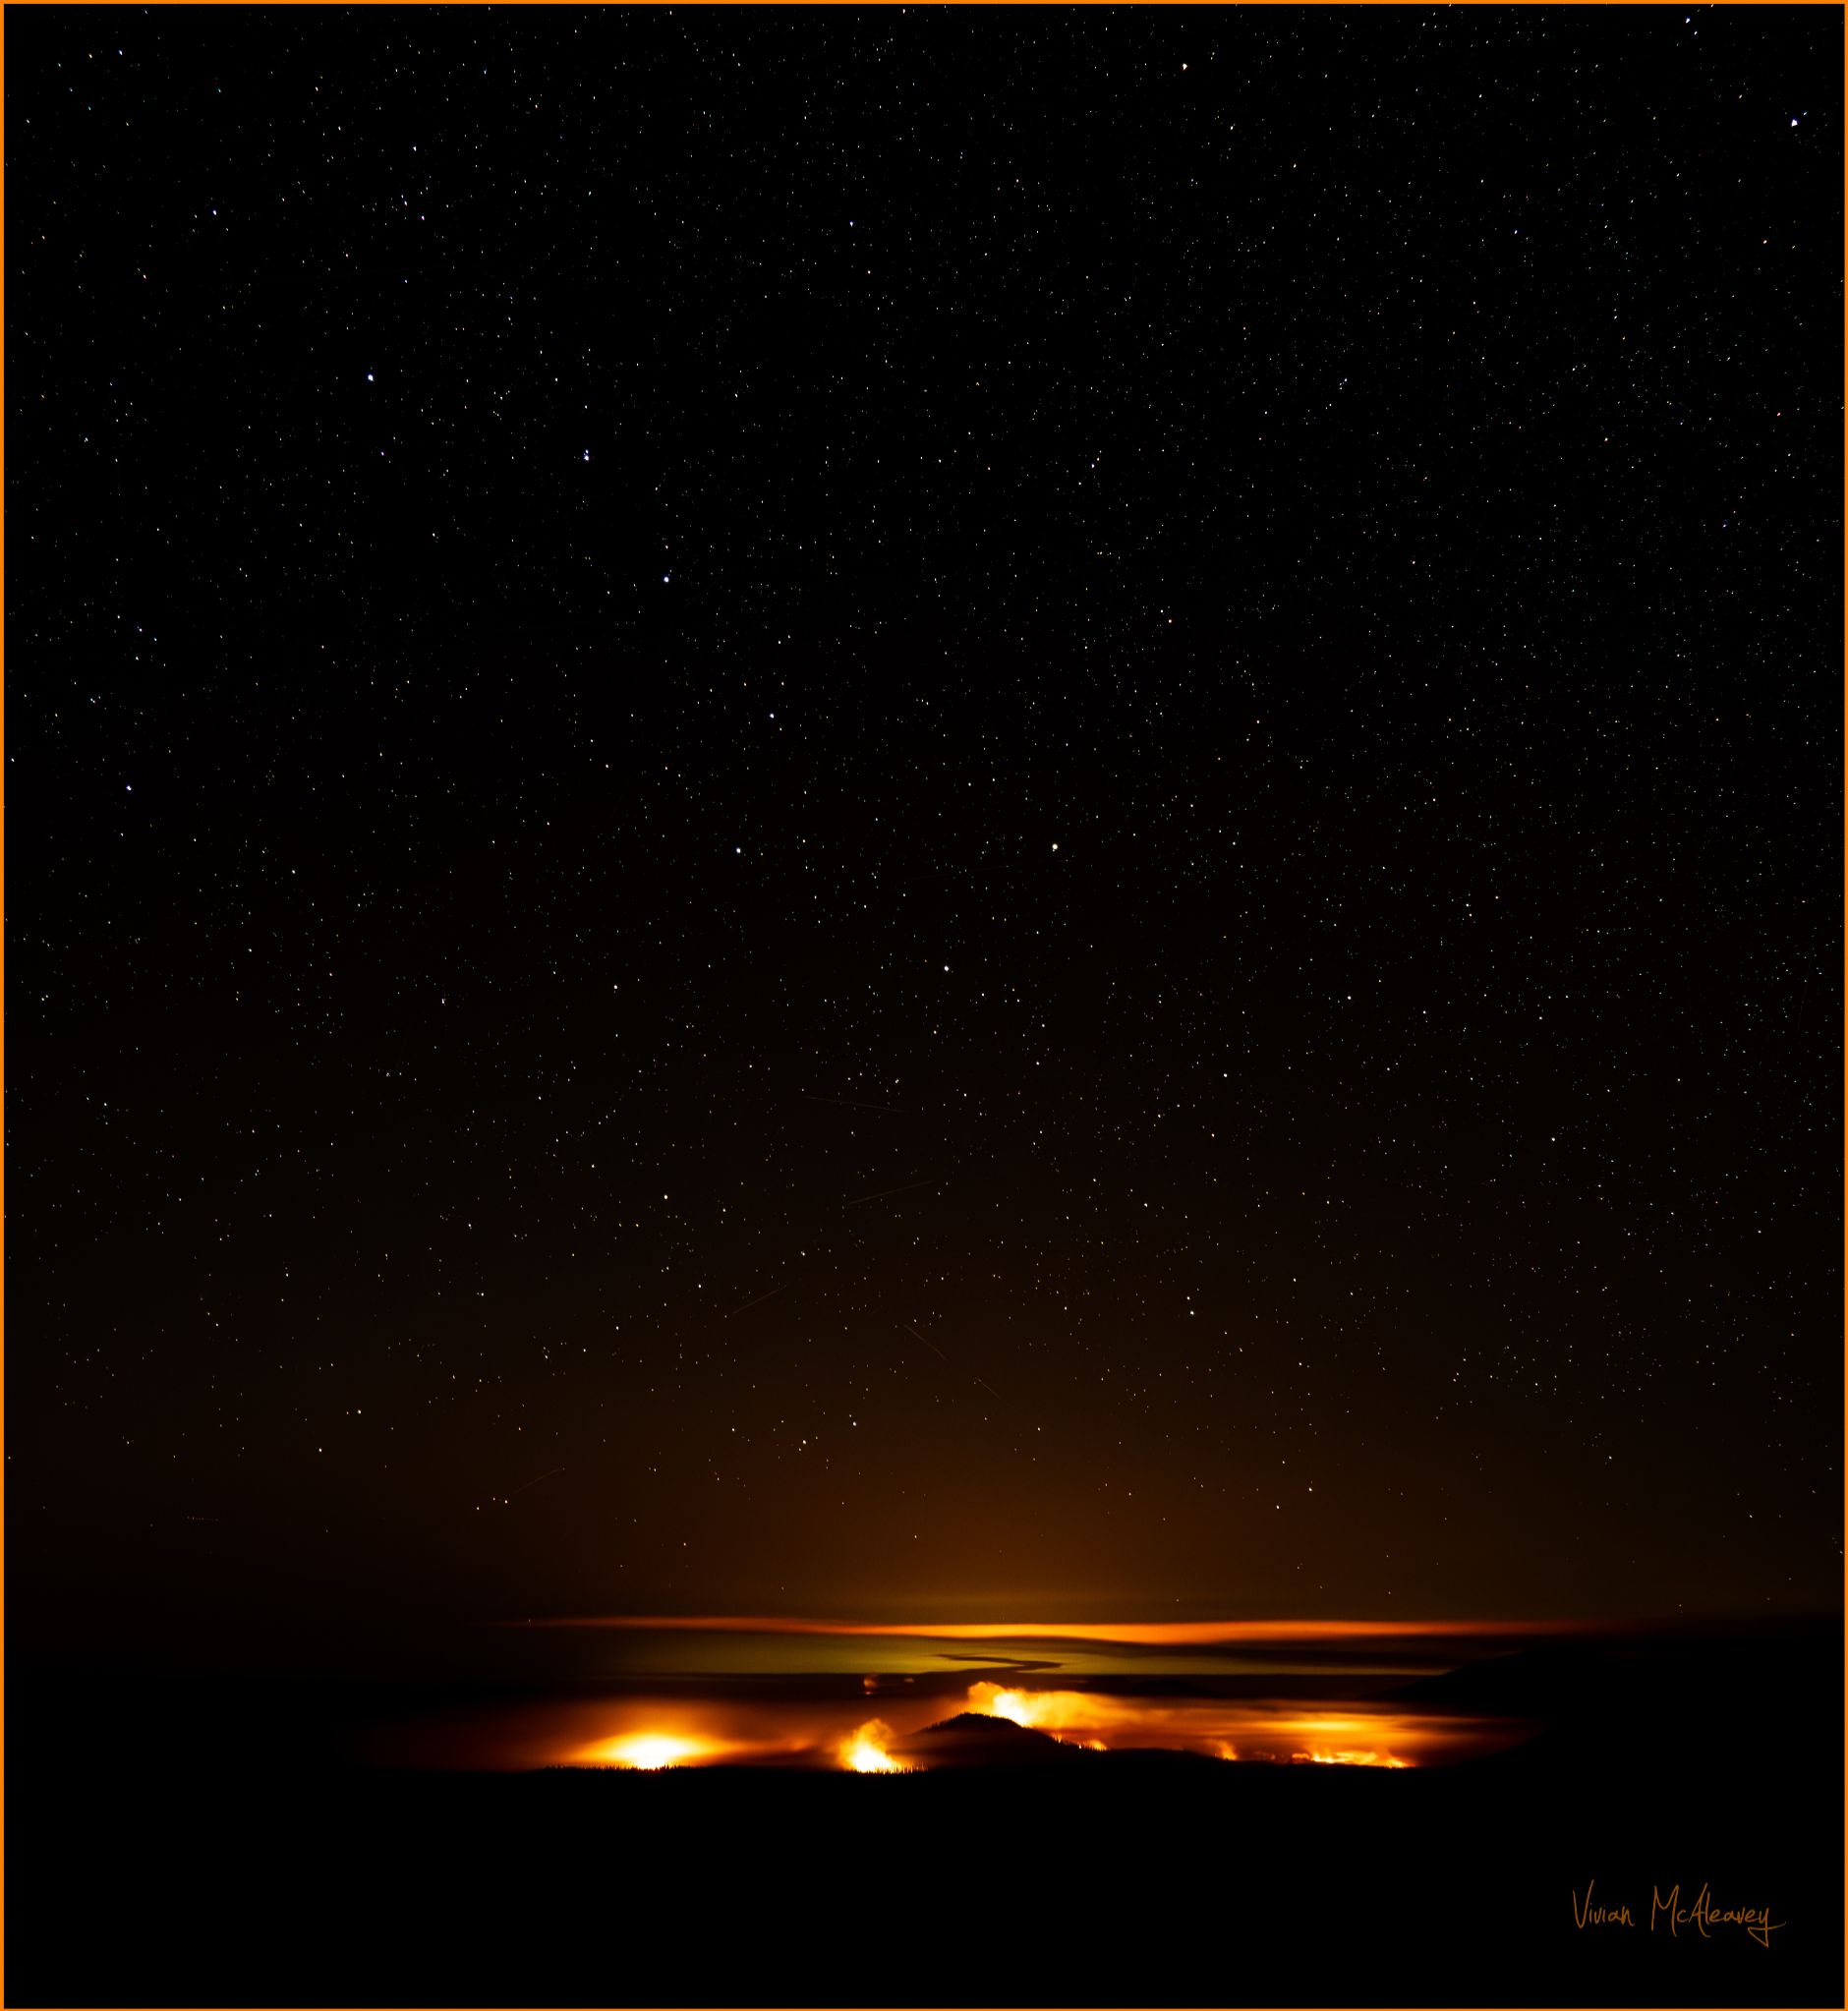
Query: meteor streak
{"x": 934, "y": 1181}
{"x": 757, "y": 1301}
{"x": 916, "y": 1336}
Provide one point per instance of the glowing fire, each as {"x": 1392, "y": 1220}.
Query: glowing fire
{"x": 1090, "y": 1717}
{"x": 1319, "y": 1731}
{"x": 648, "y": 1732}
{"x": 865, "y": 1750}
{"x": 649, "y": 1751}
{"x": 663, "y": 1733}
{"x": 1077, "y": 1713}
{"x": 1010, "y": 1705}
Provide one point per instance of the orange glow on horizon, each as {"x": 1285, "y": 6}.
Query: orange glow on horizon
{"x": 1040, "y": 1710}
{"x": 864, "y": 1752}
{"x": 1217, "y": 1727}
{"x": 649, "y": 1733}
{"x": 648, "y": 1751}
{"x": 1148, "y": 1634}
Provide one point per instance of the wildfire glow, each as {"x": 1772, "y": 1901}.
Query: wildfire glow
{"x": 721, "y": 1726}
{"x": 649, "y": 1750}
{"x": 1221, "y": 1728}
{"x": 1048, "y": 1710}
{"x": 659, "y": 1733}
{"x": 865, "y": 1750}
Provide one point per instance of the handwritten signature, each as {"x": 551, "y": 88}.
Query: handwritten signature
{"x": 1702, "y": 1915}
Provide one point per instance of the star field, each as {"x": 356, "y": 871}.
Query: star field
{"x": 926, "y": 814}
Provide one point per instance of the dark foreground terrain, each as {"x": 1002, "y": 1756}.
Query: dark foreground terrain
{"x": 141, "y": 1871}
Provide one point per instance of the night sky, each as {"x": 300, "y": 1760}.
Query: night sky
{"x": 923, "y": 814}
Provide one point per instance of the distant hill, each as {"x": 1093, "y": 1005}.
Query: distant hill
{"x": 1616, "y": 1689}
{"x": 1554, "y": 1684}
{"x": 970, "y": 1738}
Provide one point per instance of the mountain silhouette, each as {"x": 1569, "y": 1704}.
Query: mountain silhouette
{"x": 971, "y": 1739}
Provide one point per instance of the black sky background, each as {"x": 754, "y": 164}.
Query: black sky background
{"x": 1200, "y": 649}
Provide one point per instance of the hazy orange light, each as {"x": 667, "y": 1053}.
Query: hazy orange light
{"x": 1353, "y": 1738}
{"x": 1152, "y": 1634}
{"x": 1324, "y": 1728}
{"x": 648, "y": 1751}
{"x": 1003, "y": 1703}
{"x": 1084, "y": 1713}
{"x": 865, "y": 1750}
